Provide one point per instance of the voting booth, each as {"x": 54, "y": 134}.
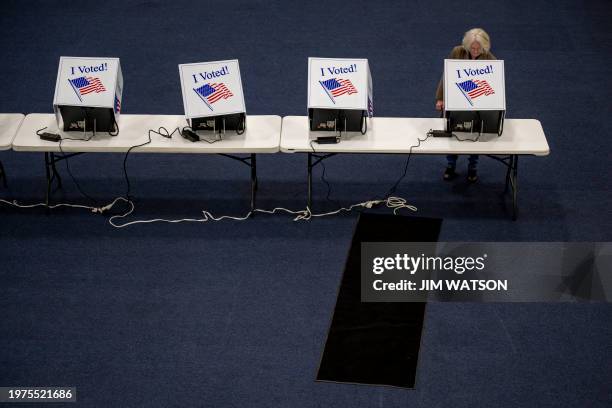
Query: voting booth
{"x": 474, "y": 96}
{"x": 339, "y": 94}
{"x": 212, "y": 96}
{"x": 88, "y": 94}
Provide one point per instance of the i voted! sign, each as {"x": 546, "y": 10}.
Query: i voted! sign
{"x": 89, "y": 82}
{"x": 337, "y": 83}
{"x": 471, "y": 85}
{"x": 211, "y": 89}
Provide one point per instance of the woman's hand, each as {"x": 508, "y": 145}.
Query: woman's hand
{"x": 439, "y": 105}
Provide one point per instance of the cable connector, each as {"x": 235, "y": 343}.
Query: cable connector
{"x": 370, "y": 204}
{"x": 50, "y": 137}
{"x": 101, "y": 210}
{"x": 439, "y": 133}
{"x": 190, "y": 135}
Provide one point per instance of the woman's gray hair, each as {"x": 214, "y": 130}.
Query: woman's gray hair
{"x": 479, "y": 35}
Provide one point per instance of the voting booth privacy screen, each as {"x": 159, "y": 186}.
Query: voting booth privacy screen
{"x": 474, "y": 95}
{"x": 213, "y": 96}
{"x": 339, "y": 94}
{"x": 88, "y": 94}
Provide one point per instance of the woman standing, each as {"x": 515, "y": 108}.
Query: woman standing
{"x": 476, "y": 45}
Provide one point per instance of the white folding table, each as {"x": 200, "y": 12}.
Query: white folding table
{"x": 262, "y": 135}
{"x": 401, "y": 136}
{"x": 9, "y": 124}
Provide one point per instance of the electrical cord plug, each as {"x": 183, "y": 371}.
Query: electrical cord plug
{"x": 51, "y": 137}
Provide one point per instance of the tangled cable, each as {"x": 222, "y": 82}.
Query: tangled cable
{"x": 395, "y": 203}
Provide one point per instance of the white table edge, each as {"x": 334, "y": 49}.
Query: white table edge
{"x": 9, "y": 146}
{"x": 54, "y": 148}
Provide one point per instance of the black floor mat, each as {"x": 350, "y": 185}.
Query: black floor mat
{"x": 376, "y": 343}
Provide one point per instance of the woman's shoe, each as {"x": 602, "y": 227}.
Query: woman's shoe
{"x": 449, "y": 173}
{"x": 472, "y": 175}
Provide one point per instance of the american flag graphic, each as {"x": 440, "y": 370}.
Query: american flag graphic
{"x": 211, "y": 93}
{"x": 336, "y": 87}
{"x": 86, "y": 85}
{"x": 473, "y": 88}
{"x": 117, "y": 104}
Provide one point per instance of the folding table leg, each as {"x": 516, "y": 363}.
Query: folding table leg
{"x": 250, "y": 161}
{"x": 309, "y": 202}
{"x": 253, "y": 180}
{"x": 318, "y": 158}
{"x": 511, "y": 163}
{"x": 56, "y": 174}
{"x": 3, "y": 175}
{"x": 515, "y": 187}
{"x": 52, "y": 175}
{"x": 508, "y": 171}
{"x": 48, "y": 174}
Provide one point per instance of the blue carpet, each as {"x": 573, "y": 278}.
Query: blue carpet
{"x": 236, "y": 314}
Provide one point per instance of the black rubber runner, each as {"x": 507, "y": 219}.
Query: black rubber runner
{"x": 376, "y": 343}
